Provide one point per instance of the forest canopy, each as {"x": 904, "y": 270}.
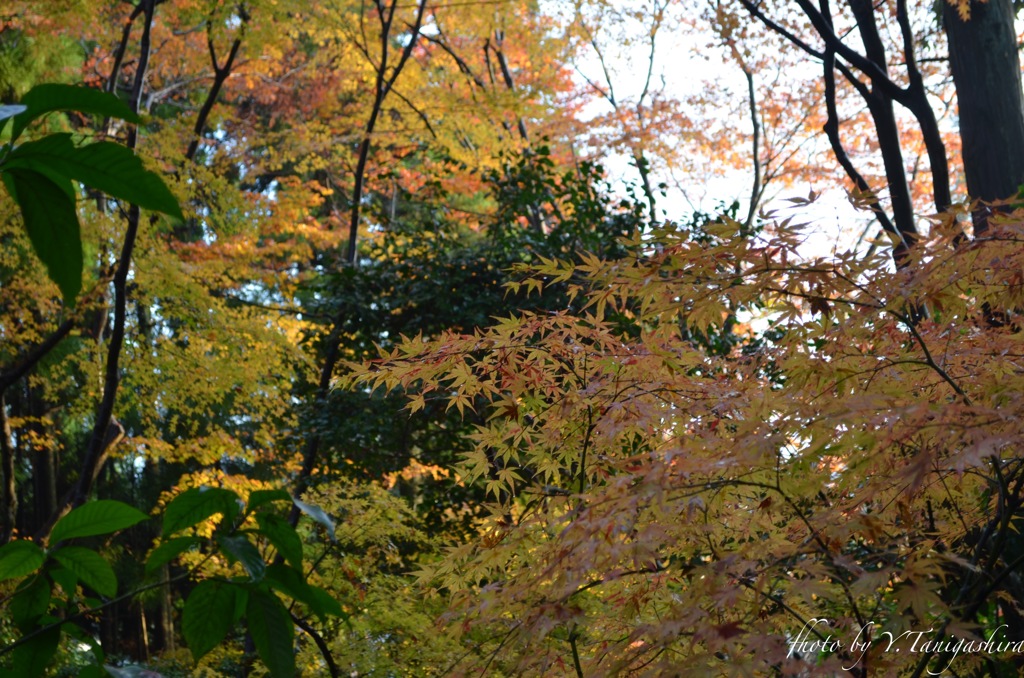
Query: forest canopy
{"x": 497, "y": 338}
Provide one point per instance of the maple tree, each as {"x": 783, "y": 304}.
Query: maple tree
{"x": 407, "y": 388}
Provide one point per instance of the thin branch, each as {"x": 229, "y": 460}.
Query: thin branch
{"x": 122, "y": 47}
{"x": 509, "y": 83}
{"x": 928, "y": 359}
{"x": 831, "y": 130}
{"x": 659, "y": 16}
{"x": 415, "y": 109}
{"x": 918, "y": 105}
{"x": 573, "y": 635}
{"x": 33, "y": 357}
{"x": 220, "y": 74}
{"x": 321, "y": 644}
{"x": 756, "y": 190}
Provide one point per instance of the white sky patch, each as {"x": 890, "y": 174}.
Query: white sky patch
{"x": 684, "y": 66}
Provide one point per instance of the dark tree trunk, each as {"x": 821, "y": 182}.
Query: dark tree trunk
{"x": 986, "y": 71}
{"x": 165, "y": 640}
{"x": 9, "y": 491}
{"x": 880, "y": 104}
{"x": 44, "y": 461}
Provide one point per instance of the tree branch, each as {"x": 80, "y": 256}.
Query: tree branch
{"x": 220, "y": 75}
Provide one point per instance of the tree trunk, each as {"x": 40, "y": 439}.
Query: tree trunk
{"x": 9, "y": 491}
{"x": 986, "y": 71}
{"x": 165, "y": 641}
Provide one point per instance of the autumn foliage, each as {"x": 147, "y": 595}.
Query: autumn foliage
{"x": 664, "y": 509}
{"x": 372, "y": 339}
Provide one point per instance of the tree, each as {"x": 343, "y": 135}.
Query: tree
{"x": 985, "y": 68}
{"x": 404, "y": 325}
{"x": 211, "y": 326}
{"x": 985, "y": 63}
{"x": 665, "y": 508}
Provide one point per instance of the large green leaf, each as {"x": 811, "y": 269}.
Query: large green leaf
{"x": 290, "y": 582}
{"x": 258, "y": 498}
{"x": 31, "y": 658}
{"x": 195, "y": 505}
{"x": 238, "y": 547}
{"x": 64, "y": 578}
{"x": 106, "y": 166}
{"x": 209, "y": 615}
{"x": 283, "y": 536}
{"x": 97, "y": 517}
{"x": 46, "y": 98}
{"x": 170, "y": 550}
{"x": 19, "y": 558}
{"x": 30, "y": 602}
{"x": 272, "y": 632}
{"x": 90, "y": 568}
{"x": 52, "y": 225}
{"x": 18, "y": 159}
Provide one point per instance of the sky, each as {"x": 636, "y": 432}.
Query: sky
{"x": 684, "y": 66}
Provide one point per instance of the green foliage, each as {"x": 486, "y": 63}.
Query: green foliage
{"x": 195, "y": 505}
{"x": 26, "y": 60}
{"x": 102, "y": 516}
{"x": 49, "y": 578}
{"x": 50, "y": 97}
{"x": 427, "y": 273}
{"x": 272, "y": 631}
{"x": 211, "y": 611}
{"x": 19, "y": 558}
{"x": 48, "y": 211}
{"x": 216, "y": 604}
{"x": 89, "y": 567}
{"x": 38, "y": 176}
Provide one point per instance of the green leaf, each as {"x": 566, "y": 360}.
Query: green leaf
{"x": 239, "y": 548}
{"x": 317, "y": 514}
{"x": 106, "y": 166}
{"x": 258, "y": 498}
{"x": 30, "y": 602}
{"x": 195, "y": 505}
{"x": 290, "y": 582}
{"x": 326, "y": 602}
{"x": 65, "y": 578}
{"x": 283, "y": 536}
{"x": 31, "y": 659}
{"x": 170, "y": 550}
{"x": 93, "y": 671}
{"x": 103, "y": 516}
{"x": 272, "y": 632}
{"x": 90, "y": 568}
{"x": 17, "y": 159}
{"x": 208, "y": 615}
{"x": 52, "y": 225}
{"x": 43, "y": 99}
{"x": 19, "y": 558}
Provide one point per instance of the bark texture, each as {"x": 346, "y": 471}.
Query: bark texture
{"x": 986, "y": 71}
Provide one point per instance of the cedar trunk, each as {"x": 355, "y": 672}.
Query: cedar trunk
{"x": 986, "y": 71}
